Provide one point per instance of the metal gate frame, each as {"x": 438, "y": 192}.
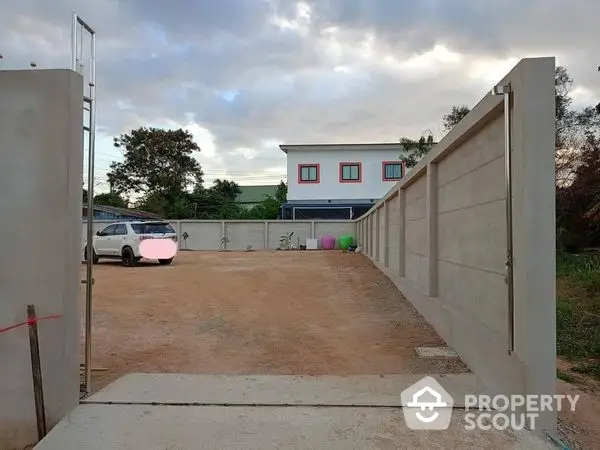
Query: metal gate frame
{"x": 79, "y": 26}
{"x": 506, "y": 91}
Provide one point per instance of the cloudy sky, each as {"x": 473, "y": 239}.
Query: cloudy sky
{"x": 247, "y": 75}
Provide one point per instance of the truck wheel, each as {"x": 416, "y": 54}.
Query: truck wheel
{"x": 95, "y": 258}
{"x": 128, "y": 258}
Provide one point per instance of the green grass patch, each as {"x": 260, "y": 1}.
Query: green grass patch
{"x": 578, "y": 308}
{"x": 565, "y": 376}
{"x": 591, "y": 369}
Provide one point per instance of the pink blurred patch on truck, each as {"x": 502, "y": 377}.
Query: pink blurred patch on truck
{"x": 158, "y": 248}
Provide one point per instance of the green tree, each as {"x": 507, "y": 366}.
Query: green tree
{"x": 578, "y": 204}
{"x": 456, "y": 114}
{"x": 577, "y": 169}
{"x": 268, "y": 209}
{"x": 176, "y": 206}
{"x": 415, "y": 150}
{"x": 159, "y": 164}
{"x": 572, "y": 127}
{"x": 209, "y": 204}
{"x": 156, "y": 161}
{"x": 281, "y": 192}
{"x": 110, "y": 199}
{"x": 228, "y": 189}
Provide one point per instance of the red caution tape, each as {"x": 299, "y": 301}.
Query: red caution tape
{"x": 31, "y": 321}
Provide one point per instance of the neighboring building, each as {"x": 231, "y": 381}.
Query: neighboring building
{"x": 252, "y": 195}
{"x": 339, "y": 181}
{"x": 102, "y": 212}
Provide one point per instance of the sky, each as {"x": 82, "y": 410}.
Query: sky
{"x": 244, "y": 76}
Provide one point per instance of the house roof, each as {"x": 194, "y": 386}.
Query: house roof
{"x": 255, "y": 194}
{"x": 125, "y": 212}
{"x": 321, "y": 147}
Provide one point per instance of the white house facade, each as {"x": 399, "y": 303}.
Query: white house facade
{"x": 340, "y": 181}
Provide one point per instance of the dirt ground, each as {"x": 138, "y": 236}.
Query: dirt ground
{"x": 256, "y": 313}
{"x": 580, "y": 429}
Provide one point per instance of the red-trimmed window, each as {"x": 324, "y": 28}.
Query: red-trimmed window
{"x": 350, "y": 172}
{"x": 392, "y": 170}
{"x": 308, "y": 173}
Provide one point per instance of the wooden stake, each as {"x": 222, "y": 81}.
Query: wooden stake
{"x": 36, "y": 370}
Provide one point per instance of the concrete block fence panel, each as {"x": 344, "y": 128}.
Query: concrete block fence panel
{"x": 335, "y": 228}
{"x": 203, "y": 235}
{"x": 207, "y": 234}
{"x": 447, "y": 243}
{"x": 243, "y": 234}
{"x": 301, "y": 229}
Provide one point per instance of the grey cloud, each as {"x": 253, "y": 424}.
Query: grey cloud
{"x": 201, "y": 19}
{"x": 169, "y": 59}
{"x": 491, "y": 26}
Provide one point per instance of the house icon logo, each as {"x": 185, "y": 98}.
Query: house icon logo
{"x": 427, "y": 405}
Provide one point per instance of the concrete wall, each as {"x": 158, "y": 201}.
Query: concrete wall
{"x": 206, "y": 234}
{"x": 371, "y": 186}
{"x": 41, "y": 160}
{"x": 443, "y": 241}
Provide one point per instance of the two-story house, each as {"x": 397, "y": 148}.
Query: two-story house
{"x": 339, "y": 181}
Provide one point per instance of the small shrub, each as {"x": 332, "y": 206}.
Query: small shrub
{"x": 565, "y": 376}
{"x": 591, "y": 369}
{"x": 568, "y": 241}
{"x": 578, "y": 305}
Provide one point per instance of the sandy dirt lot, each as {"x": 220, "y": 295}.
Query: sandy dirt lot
{"x": 256, "y": 313}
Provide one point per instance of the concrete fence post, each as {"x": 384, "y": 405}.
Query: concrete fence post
{"x": 386, "y": 234}
{"x": 533, "y": 212}
{"x": 432, "y": 234}
{"x": 179, "y": 233}
{"x": 377, "y": 220}
{"x": 266, "y": 230}
{"x": 223, "y": 234}
{"x": 361, "y": 232}
{"x": 367, "y": 234}
{"x": 371, "y": 236}
{"x": 402, "y": 232}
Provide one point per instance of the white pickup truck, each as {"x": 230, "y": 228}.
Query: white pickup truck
{"x": 121, "y": 240}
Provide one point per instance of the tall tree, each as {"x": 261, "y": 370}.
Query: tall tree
{"x": 211, "y": 204}
{"x": 156, "y": 161}
{"x": 228, "y": 189}
{"x": 281, "y": 192}
{"x": 415, "y": 149}
{"x": 456, "y": 114}
{"x": 169, "y": 206}
{"x": 578, "y": 203}
{"x": 577, "y": 168}
{"x": 110, "y": 199}
{"x": 572, "y": 127}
